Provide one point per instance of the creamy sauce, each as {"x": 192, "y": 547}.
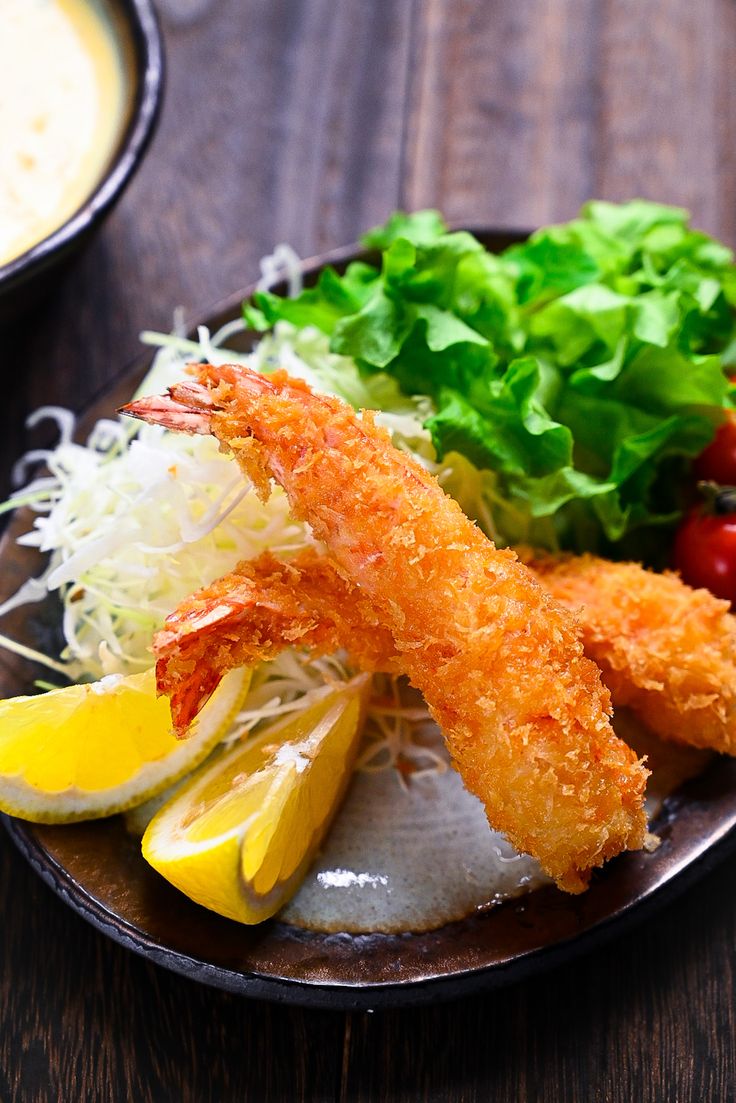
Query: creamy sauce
{"x": 62, "y": 109}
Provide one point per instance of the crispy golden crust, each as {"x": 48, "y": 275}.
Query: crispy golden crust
{"x": 499, "y": 662}
{"x": 666, "y": 651}
{"x": 251, "y": 615}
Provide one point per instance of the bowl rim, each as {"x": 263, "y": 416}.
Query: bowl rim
{"x": 148, "y": 71}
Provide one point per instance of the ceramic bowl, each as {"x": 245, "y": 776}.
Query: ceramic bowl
{"x": 24, "y": 279}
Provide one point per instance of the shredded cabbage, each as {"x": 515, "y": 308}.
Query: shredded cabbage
{"x": 394, "y": 723}
{"x": 132, "y": 532}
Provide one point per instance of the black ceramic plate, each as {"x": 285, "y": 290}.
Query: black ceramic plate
{"x": 97, "y": 869}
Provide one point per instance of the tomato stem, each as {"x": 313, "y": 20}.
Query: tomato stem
{"x": 718, "y": 500}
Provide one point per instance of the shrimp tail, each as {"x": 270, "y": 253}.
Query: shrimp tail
{"x": 184, "y": 415}
{"x": 252, "y": 614}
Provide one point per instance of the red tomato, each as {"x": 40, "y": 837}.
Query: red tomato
{"x": 718, "y": 460}
{"x": 705, "y": 552}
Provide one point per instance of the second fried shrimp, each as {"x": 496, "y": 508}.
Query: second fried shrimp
{"x": 666, "y": 651}
{"x": 252, "y": 614}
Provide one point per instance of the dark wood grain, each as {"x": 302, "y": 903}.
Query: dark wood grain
{"x": 520, "y": 111}
{"x": 306, "y": 121}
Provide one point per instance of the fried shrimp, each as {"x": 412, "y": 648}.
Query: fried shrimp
{"x": 252, "y": 614}
{"x": 666, "y": 651}
{"x": 500, "y": 663}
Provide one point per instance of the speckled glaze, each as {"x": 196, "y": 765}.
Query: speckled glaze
{"x": 416, "y": 853}
{"x": 97, "y": 869}
{"x": 409, "y": 855}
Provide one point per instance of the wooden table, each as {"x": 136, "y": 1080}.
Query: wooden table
{"x": 307, "y": 121}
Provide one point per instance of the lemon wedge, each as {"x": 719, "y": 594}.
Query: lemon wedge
{"x": 88, "y": 751}
{"x": 239, "y": 836}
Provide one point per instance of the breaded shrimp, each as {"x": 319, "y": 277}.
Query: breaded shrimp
{"x": 500, "y": 664}
{"x": 253, "y": 613}
{"x": 666, "y": 651}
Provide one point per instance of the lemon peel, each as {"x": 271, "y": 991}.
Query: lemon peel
{"x": 240, "y": 835}
{"x": 88, "y": 751}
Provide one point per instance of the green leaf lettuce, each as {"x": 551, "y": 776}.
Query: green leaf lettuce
{"x": 584, "y": 367}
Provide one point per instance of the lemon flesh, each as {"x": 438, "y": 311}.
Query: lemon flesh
{"x": 88, "y": 751}
{"x": 239, "y": 836}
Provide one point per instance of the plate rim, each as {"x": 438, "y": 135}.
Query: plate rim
{"x": 361, "y": 996}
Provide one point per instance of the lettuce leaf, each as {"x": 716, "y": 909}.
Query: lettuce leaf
{"x": 585, "y": 367}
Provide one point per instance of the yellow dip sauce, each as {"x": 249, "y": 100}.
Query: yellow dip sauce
{"x": 62, "y": 109}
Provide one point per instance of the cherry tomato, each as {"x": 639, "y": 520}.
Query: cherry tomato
{"x": 718, "y": 460}
{"x": 705, "y": 552}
